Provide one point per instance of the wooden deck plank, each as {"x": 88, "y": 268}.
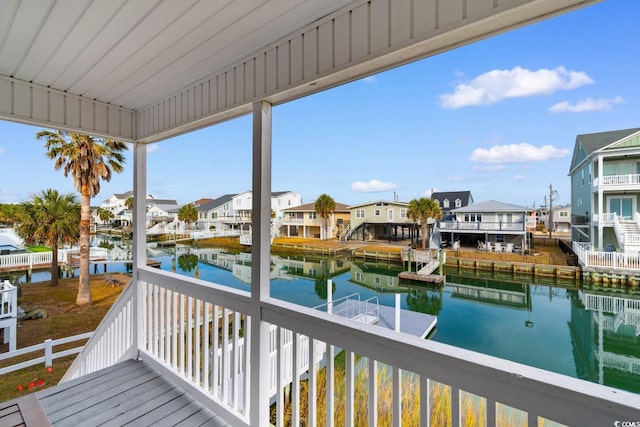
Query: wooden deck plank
{"x": 154, "y": 416}
{"x": 119, "y": 404}
{"x": 129, "y": 394}
{"x": 138, "y": 411}
{"x": 112, "y": 371}
{"x": 181, "y": 414}
{"x": 85, "y": 389}
{"x": 81, "y": 410}
{"x": 202, "y": 418}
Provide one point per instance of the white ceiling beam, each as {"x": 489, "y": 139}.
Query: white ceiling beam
{"x": 41, "y": 106}
{"x": 366, "y": 38}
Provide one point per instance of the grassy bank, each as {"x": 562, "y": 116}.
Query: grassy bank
{"x": 63, "y": 319}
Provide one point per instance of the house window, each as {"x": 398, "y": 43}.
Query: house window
{"x": 359, "y": 213}
{"x": 237, "y": 202}
{"x": 472, "y": 217}
{"x": 403, "y": 213}
{"x": 390, "y": 214}
{"x": 376, "y": 212}
{"x": 500, "y": 238}
{"x": 313, "y": 215}
{"x": 214, "y": 215}
{"x": 445, "y": 203}
{"x": 458, "y": 203}
{"x": 564, "y": 214}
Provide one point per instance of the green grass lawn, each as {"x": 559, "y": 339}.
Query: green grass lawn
{"x": 39, "y": 248}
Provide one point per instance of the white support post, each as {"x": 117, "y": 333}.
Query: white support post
{"x": 261, "y": 264}
{"x": 48, "y": 352}
{"x": 139, "y": 238}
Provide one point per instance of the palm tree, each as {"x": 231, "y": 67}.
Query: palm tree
{"x": 104, "y": 215}
{"x": 51, "y": 219}
{"x": 188, "y": 262}
{"x": 325, "y": 206}
{"x": 420, "y": 210}
{"x": 88, "y": 160}
{"x": 188, "y": 213}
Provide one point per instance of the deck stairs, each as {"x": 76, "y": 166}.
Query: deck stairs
{"x": 628, "y": 234}
{"x": 349, "y": 231}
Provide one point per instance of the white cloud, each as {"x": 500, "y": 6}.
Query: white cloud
{"x": 490, "y": 168}
{"x": 369, "y": 79}
{"x": 152, "y": 148}
{"x": 517, "y": 153}
{"x": 373, "y": 186}
{"x": 497, "y": 85}
{"x": 588, "y": 104}
{"x": 519, "y": 178}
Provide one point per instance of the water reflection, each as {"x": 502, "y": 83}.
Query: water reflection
{"x": 557, "y": 325}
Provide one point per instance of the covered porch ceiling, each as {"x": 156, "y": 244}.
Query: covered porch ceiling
{"x": 145, "y": 70}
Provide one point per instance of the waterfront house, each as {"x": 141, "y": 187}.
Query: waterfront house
{"x": 605, "y": 190}
{"x": 212, "y": 214}
{"x": 304, "y": 221}
{"x": 381, "y": 219}
{"x": 489, "y": 225}
{"x": 146, "y": 71}
{"x": 449, "y": 200}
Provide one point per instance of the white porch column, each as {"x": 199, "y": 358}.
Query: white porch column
{"x": 139, "y": 252}
{"x": 260, "y": 258}
{"x": 600, "y": 203}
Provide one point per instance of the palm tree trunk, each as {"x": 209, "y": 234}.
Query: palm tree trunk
{"x": 84, "y": 289}
{"x": 55, "y": 274}
{"x": 423, "y": 228}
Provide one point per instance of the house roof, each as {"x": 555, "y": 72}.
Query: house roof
{"x": 587, "y": 144}
{"x": 491, "y": 206}
{"x": 464, "y": 196}
{"x": 311, "y": 207}
{"x": 403, "y": 204}
{"x": 216, "y": 203}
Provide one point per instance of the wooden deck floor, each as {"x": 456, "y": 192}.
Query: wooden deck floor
{"x": 129, "y": 393}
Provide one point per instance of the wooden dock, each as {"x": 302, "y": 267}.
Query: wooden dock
{"x": 435, "y": 279}
{"x": 545, "y": 270}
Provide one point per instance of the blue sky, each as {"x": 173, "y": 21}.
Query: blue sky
{"x": 498, "y": 117}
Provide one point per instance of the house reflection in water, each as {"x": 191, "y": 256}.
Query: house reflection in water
{"x": 606, "y": 338}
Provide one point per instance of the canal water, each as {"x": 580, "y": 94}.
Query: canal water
{"x": 565, "y": 327}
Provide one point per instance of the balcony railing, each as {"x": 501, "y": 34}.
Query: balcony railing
{"x": 179, "y": 325}
{"x": 482, "y": 226}
{"x": 628, "y": 180}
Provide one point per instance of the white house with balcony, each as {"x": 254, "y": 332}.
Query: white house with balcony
{"x": 490, "y": 225}
{"x": 212, "y": 214}
{"x": 148, "y": 71}
{"x": 304, "y": 221}
{"x": 605, "y": 195}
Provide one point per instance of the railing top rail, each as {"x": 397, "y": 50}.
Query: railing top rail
{"x": 234, "y": 299}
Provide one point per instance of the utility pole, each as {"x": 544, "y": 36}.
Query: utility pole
{"x": 553, "y": 195}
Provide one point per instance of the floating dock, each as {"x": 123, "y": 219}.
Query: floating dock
{"x": 411, "y": 322}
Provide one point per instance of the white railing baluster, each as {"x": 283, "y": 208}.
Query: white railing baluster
{"x": 280, "y": 378}
{"x": 225, "y": 355}
{"x": 330, "y": 385}
{"x": 373, "y": 392}
{"x": 397, "y": 397}
{"x": 162, "y": 330}
{"x": 455, "y": 407}
{"x": 312, "y": 382}
{"x": 235, "y": 362}
{"x": 349, "y": 388}
{"x": 206, "y": 345}
{"x": 197, "y": 349}
{"x": 189, "y": 352}
{"x": 174, "y": 330}
{"x": 181, "y": 337}
{"x": 215, "y": 368}
{"x": 295, "y": 386}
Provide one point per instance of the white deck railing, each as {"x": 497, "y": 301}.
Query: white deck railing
{"x": 180, "y": 320}
{"x": 611, "y": 260}
{"x": 8, "y": 300}
{"x": 483, "y": 226}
